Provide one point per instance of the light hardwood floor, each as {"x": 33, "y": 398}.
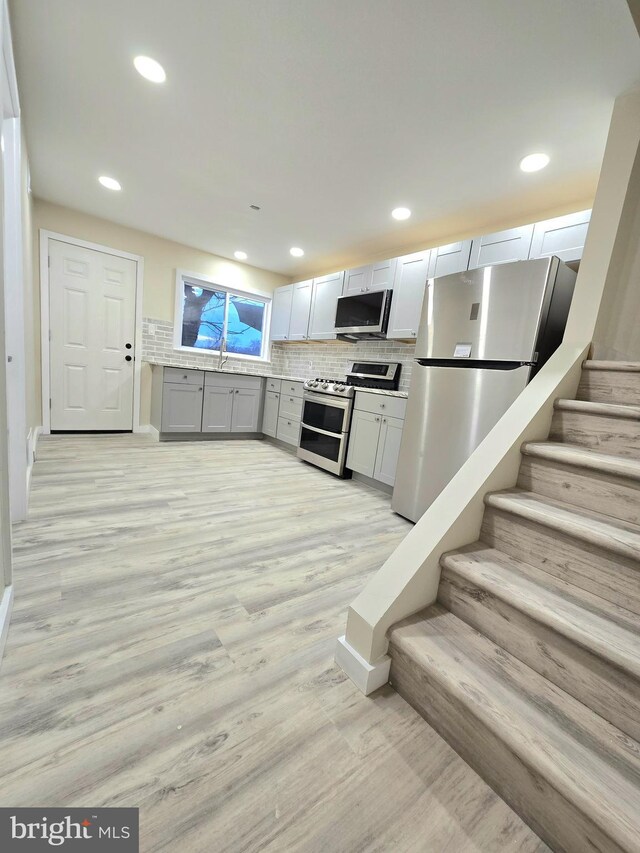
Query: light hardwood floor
{"x": 176, "y": 612}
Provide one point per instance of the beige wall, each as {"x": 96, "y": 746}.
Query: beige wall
{"x": 31, "y": 333}
{"x": 161, "y": 259}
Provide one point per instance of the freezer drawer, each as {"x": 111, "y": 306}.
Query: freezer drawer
{"x": 450, "y": 410}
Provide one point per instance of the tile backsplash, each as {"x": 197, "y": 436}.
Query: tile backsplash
{"x": 304, "y": 359}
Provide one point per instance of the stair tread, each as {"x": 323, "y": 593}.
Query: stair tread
{"x": 608, "y": 410}
{"x": 598, "y": 625}
{"x": 585, "y": 758}
{"x": 621, "y": 537}
{"x": 584, "y": 457}
{"x": 621, "y": 366}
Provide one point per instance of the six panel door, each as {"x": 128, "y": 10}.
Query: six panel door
{"x": 92, "y": 331}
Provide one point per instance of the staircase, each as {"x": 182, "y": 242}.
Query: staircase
{"x": 529, "y": 662}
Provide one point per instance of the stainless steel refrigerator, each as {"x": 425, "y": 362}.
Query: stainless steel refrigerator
{"x": 482, "y": 336}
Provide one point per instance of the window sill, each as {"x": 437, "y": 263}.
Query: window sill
{"x": 228, "y": 356}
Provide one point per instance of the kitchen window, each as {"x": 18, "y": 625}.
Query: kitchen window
{"x": 208, "y": 314}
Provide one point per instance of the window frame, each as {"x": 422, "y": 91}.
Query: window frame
{"x": 209, "y": 283}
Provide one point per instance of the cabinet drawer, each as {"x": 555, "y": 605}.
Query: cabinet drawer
{"x": 273, "y": 384}
{"x": 182, "y": 376}
{"x": 232, "y": 380}
{"x": 378, "y": 404}
{"x": 292, "y": 389}
{"x": 288, "y": 430}
{"x": 290, "y": 407}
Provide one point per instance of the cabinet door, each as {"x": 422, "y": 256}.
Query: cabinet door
{"x": 181, "y": 408}
{"x": 270, "y": 413}
{"x": 363, "y": 442}
{"x": 300, "y": 310}
{"x": 563, "y": 236}
{"x": 324, "y": 300}
{"x": 383, "y": 274}
{"x": 409, "y": 288}
{"x": 281, "y": 312}
{"x": 388, "y": 450}
{"x": 246, "y": 410}
{"x": 445, "y": 260}
{"x": 357, "y": 280}
{"x": 502, "y": 247}
{"x": 216, "y": 411}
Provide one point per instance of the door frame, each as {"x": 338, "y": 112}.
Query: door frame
{"x": 45, "y": 361}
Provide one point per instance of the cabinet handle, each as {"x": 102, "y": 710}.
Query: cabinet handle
{"x": 384, "y": 420}
{"x": 231, "y": 390}
{"x": 277, "y": 395}
{"x": 185, "y": 376}
{"x": 285, "y": 337}
{"x": 414, "y": 334}
{"x": 199, "y": 389}
{"x": 237, "y": 392}
{"x": 383, "y": 405}
{"x": 377, "y": 418}
{"x": 291, "y": 399}
{"x": 288, "y": 423}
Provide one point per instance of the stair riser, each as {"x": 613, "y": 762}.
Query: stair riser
{"x": 616, "y": 497}
{"x": 614, "y": 578}
{"x": 618, "y": 436}
{"x": 557, "y": 821}
{"x": 597, "y": 683}
{"x": 609, "y": 386}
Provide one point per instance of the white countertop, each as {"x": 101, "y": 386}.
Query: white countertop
{"x": 262, "y": 373}
{"x": 382, "y": 391}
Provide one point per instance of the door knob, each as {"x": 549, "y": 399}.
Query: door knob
{"x": 128, "y": 346}
{"x": 127, "y": 358}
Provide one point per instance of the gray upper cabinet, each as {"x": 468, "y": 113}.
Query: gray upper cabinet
{"x": 383, "y": 274}
{"x": 501, "y": 247}
{"x": 324, "y": 300}
{"x": 445, "y": 260}
{"x": 181, "y": 407}
{"x": 245, "y": 416}
{"x": 281, "y": 312}
{"x": 217, "y": 409}
{"x": 300, "y": 310}
{"x": 563, "y": 236}
{"x": 409, "y": 287}
{"x": 377, "y": 276}
{"x": 357, "y": 280}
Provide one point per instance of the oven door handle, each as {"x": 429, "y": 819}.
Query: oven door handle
{"x": 339, "y": 435}
{"x": 326, "y": 400}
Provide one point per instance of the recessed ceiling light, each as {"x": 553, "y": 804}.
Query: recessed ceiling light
{"x": 109, "y": 183}
{"x": 150, "y": 69}
{"x": 534, "y": 162}
{"x": 296, "y": 252}
{"x": 401, "y": 213}
{"x": 241, "y": 256}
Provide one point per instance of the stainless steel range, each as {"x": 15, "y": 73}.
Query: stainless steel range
{"x": 326, "y": 412}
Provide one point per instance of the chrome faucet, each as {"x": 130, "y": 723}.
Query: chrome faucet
{"x": 223, "y": 352}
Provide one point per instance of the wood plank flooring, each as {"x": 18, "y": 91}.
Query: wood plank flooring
{"x": 176, "y": 612}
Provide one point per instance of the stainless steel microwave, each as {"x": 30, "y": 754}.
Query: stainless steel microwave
{"x": 364, "y": 314}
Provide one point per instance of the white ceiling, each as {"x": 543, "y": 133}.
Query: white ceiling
{"x": 326, "y": 113}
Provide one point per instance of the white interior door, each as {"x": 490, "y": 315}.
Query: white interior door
{"x": 92, "y": 298}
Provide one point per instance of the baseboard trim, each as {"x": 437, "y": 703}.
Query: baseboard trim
{"x": 143, "y": 428}
{"x": 32, "y": 446}
{"x": 6, "y": 605}
{"x": 367, "y": 677}
{"x": 153, "y": 432}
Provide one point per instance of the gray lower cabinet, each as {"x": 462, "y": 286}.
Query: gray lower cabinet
{"x": 181, "y": 407}
{"x": 196, "y": 401}
{"x": 245, "y": 416}
{"x": 217, "y": 409}
{"x": 388, "y": 450}
{"x": 288, "y": 430}
{"x": 363, "y": 442}
{"x": 374, "y": 438}
{"x": 270, "y": 413}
